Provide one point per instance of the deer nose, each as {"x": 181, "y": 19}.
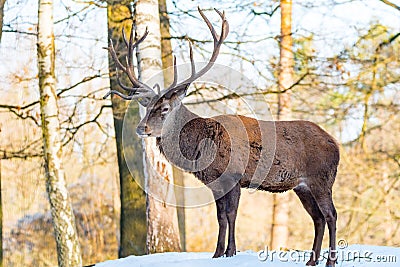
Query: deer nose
{"x": 143, "y": 130}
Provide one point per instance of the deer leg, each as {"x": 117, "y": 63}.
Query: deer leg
{"x": 323, "y": 197}
{"x": 232, "y": 203}
{"x": 222, "y": 223}
{"x": 311, "y": 206}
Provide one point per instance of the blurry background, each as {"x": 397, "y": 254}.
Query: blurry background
{"x": 347, "y": 77}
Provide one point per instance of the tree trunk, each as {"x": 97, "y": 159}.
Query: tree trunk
{"x": 162, "y": 231}
{"x": 167, "y": 63}
{"x": 2, "y": 3}
{"x": 280, "y": 212}
{"x": 68, "y": 249}
{"x": 1, "y": 223}
{"x": 132, "y": 239}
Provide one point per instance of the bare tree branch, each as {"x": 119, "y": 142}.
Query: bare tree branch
{"x": 235, "y": 95}
{"x": 389, "y": 3}
{"x": 21, "y": 32}
{"x": 256, "y": 13}
{"x": 74, "y": 129}
{"x": 84, "y": 80}
{"x": 387, "y": 42}
{"x": 28, "y": 151}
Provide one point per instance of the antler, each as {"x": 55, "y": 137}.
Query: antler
{"x": 218, "y": 40}
{"x": 143, "y": 92}
{"x": 139, "y": 90}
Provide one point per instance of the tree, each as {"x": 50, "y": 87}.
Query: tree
{"x": 1, "y": 224}
{"x": 2, "y": 3}
{"x": 390, "y": 3}
{"x": 280, "y": 213}
{"x": 162, "y": 231}
{"x": 167, "y": 62}
{"x": 68, "y": 249}
{"x": 133, "y": 200}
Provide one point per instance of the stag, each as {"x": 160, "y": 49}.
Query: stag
{"x": 228, "y": 152}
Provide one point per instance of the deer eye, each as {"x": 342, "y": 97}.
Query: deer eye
{"x": 164, "y": 109}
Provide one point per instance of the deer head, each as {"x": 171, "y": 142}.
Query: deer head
{"x": 161, "y": 103}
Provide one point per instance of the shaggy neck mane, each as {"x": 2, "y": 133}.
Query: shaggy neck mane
{"x": 181, "y": 116}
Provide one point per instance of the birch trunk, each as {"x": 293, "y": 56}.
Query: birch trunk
{"x": 167, "y": 63}
{"x": 132, "y": 229}
{"x": 162, "y": 223}
{"x": 280, "y": 211}
{"x": 68, "y": 249}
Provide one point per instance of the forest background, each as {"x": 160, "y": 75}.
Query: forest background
{"x": 346, "y": 78}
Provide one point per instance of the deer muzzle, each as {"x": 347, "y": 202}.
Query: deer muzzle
{"x": 143, "y": 131}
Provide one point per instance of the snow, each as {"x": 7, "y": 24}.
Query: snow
{"x": 351, "y": 256}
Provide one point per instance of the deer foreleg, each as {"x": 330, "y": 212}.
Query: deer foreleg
{"x": 222, "y": 223}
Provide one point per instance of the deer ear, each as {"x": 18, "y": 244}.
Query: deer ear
{"x": 180, "y": 95}
{"x": 178, "y": 91}
{"x": 176, "y": 99}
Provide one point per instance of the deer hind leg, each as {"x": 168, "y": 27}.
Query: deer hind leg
{"x": 323, "y": 197}
{"x": 222, "y": 223}
{"x": 311, "y": 206}
{"x": 232, "y": 203}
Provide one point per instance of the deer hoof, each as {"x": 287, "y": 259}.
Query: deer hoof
{"x": 312, "y": 263}
{"x": 330, "y": 263}
{"x": 218, "y": 253}
{"x": 230, "y": 252}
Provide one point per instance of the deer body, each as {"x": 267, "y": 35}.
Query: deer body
{"x": 316, "y": 151}
{"x": 229, "y": 152}
{"x": 305, "y": 159}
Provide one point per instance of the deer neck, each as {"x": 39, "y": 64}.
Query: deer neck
{"x": 168, "y": 143}
{"x": 180, "y": 116}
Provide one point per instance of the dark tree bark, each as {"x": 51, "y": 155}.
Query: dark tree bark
{"x": 2, "y": 3}
{"x": 133, "y": 200}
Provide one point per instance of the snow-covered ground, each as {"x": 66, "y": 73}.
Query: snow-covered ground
{"x": 351, "y": 256}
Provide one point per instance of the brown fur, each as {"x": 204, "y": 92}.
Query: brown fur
{"x": 305, "y": 159}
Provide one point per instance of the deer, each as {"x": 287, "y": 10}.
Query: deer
{"x": 230, "y": 152}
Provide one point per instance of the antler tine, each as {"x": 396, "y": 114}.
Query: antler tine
{"x": 225, "y": 25}
{"x": 209, "y": 25}
{"x": 115, "y": 57}
{"x": 124, "y": 37}
{"x": 175, "y": 76}
{"x": 132, "y": 46}
{"x": 127, "y": 97}
{"x": 139, "y": 89}
{"x": 119, "y": 65}
{"x": 126, "y": 88}
{"x": 218, "y": 40}
{"x": 128, "y": 46}
{"x": 192, "y": 65}
{"x": 129, "y": 69}
{"x": 115, "y": 92}
{"x": 131, "y": 75}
